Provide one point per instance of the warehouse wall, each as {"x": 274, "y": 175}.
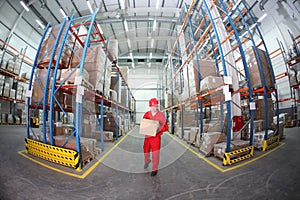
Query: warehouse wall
{"x": 24, "y": 35}
{"x": 143, "y": 82}
{"x": 281, "y": 17}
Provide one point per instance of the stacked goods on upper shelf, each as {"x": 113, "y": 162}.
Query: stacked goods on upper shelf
{"x": 12, "y": 64}
{"x": 48, "y": 43}
{"x": 113, "y": 48}
{"x": 260, "y": 123}
{"x": 210, "y": 83}
{"x": 116, "y": 88}
{"x": 39, "y": 86}
{"x": 95, "y": 66}
{"x": 207, "y": 68}
{"x": 124, "y": 71}
{"x": 1, "y": 54}
{"x": 8, "y": 83}
{"x": 256, "y": 76}
{"x": 259, "y": 112}
{"x": 168, "y": 100}
{"x": 125, "y": 101}
{"x": 190, "y": 76}
{"x": 2, "y": 78}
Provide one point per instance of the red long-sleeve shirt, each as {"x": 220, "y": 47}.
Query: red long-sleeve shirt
{"x": 159, "y": 116}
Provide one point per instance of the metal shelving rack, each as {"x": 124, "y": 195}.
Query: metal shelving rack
{"x": 291, "y": 63}
{"x": 8, "y": 49}
{"x": 68, "y": 37}
{"x": 217, "y": 26}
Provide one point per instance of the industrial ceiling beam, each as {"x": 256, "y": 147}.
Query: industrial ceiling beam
{"x": 138, "y": 19}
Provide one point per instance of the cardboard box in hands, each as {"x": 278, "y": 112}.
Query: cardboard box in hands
{"x": 149, "y": 127}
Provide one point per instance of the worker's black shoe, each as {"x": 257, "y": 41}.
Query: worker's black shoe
{"x": 146, "y": 165}
{"x": 154, "y": 173}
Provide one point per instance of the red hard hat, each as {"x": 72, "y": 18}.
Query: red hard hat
{"x": 153, "y": 102}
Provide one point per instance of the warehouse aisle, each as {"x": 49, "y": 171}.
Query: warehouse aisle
{"x": 121, "y": 174}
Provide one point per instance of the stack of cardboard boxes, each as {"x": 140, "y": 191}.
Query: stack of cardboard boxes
{"x": 190, "y": 76}
{"x": 257, "y": 74}
{"x": 47, "y": 45}
{"x": 2, "y": 79}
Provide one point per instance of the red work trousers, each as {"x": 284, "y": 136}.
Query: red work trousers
{"x": 152, "y": 143}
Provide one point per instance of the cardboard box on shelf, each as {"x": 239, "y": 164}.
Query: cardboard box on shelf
{"x": 10, "y": 65}
{"x": 113, "y": 95}
{"x": 17, "y": 66}
{"x": 125, "y": 71}
{"x": 193, "y": 134}
{"x": 1, "y": 87}
{"x": 6, "y": 91}
{"x": 186, "y": 134}
{"x": 10, "y": 119}
{"x": 113, "y": 48}
{"x": 23, "y": 119}
{"x": 4, "y": 118}
{"x": 210, "y": 83}
{"x": 207, "y": 68}
{"x": 12, "y": 94}
{"x": 4, "y": 64}
{"x": 254, "y": 70}
{"x": 108, "y": 136}
{"x": 89, "y": 144}
{"x": 18, "y": 120}
{"x": 189, "y": 117}
{"x": 48, "y": 43}
{"x": 259, "y": 138}
{"x": 25, "y": 75}
{"x": 2, "y": 77}
{"x": 209, "y": 139}
{"x": 75, "y": 72}
{"x": 259, "y": 125}
{"x": 94, "y": 56}
{"x": 237, "y": 144}
{"x": 149, "y": 127}
{"x": 259, "y": 112}
{"x": 220, "y": 148}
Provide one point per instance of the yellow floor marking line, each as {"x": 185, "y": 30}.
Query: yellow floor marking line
{"x": 215, "y": 165}
{"x": 89, "y": 170}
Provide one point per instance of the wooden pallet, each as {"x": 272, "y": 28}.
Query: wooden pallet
{"x": 87, "y": 157}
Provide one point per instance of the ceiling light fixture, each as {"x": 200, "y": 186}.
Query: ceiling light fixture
{"x": 154, "y": 25}
{"x": 150, "y": 55}
{"x": 40, "y": 24}
{"x": 90, "y": 7}
{"x": 152, "y": 43}
{"x": 63, "y": 13}
{"x": 126, "y": 25}
{"x": 129, "y": 44}
{"x": 132, "y": 65}
{"x": 122, "y": 4}
{"x": 157, "y": 3}
{"x": 262, "y": 17}
{"x": 24, "y": 6}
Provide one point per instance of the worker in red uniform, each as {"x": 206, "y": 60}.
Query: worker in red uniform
{"x": 153, "y": 142}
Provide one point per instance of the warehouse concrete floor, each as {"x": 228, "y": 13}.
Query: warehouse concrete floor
{"x": 121, "y": 175}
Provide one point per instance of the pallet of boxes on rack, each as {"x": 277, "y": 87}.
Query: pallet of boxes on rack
{"x": 294, "y": 77}
{"x": 189, "y": 117}
{"x": 92, "y": 81}
{"x": 96, "y": 78}
{"x": 263, "y": 105}
{"x": 126, "y": 100}
{"x": 12, "y": 91}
